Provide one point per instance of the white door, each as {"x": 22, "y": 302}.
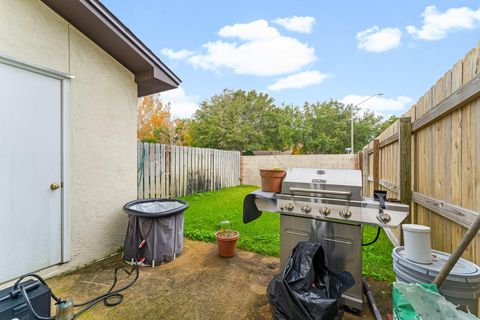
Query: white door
{"x": 30, "y": 162}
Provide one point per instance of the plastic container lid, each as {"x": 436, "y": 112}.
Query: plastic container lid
{"x": 461, "y": 290}
{"x": 416, "y": 228}
{"x": 463, "y": 271}
{"x": 402, "y": 272}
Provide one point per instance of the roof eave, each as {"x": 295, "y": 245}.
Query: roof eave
{"x": 95, "y": 21}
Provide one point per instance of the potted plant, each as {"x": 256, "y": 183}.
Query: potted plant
{"x": 226, "y": 240}
{"x": 272, "y": 179}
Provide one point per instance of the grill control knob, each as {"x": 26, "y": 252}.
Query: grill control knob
{"x": 325, "y": 211}
{"x": 306, "y": 209}
{"x": 289, "y": 206}
{"x": 346, "y": 213}
{"x": 384, "y": 217}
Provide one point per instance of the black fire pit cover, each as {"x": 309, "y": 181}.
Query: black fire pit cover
{"x": 154, "y": 208}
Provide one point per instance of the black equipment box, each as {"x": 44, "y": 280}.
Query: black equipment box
{"x": 13, "y": 306}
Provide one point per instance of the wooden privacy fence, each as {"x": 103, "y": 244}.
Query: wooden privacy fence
{"x": 430, "y": 158}
{"x": 166, "y": 171}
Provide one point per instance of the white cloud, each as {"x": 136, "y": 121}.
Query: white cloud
{"x": 380, "y": 105}
{"x": 176, "y": 55}
{"x": 181, "y": 104}
{"x": 295, "y": 23}
{"x": 436, "y": 25}
{"x": 255, "y": 48}
{"x": 375, "y": 39}
{"x": 255, "y": 30}
{"x": 299, "y": 80}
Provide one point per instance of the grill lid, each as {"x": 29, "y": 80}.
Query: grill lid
{"x": 325, "y": 183}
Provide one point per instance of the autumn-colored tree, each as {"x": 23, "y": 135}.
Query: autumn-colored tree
{"x": 154, "y": 123}
{"x": 153, "y": 120}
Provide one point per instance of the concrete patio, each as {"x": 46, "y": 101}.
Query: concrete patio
{"x": 197, "y": 285}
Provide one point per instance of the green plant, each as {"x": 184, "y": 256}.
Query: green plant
{"x": 224, "y": 225}
{"x": 226, "y": 230}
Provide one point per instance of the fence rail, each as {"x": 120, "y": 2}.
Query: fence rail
{"x": 167, "y": 171}
{"x": 430, "y": 158}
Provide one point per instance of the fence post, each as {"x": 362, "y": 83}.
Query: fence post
{"x": 405, "y": 167}
{"x": 376, "y": 164}
{"x": 365, "y": 172}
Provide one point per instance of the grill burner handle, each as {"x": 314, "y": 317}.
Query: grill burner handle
{"x": 380, "y": 196}
{"x": 331, "y": 192}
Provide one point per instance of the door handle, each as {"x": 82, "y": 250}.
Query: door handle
{"x": 54, "y": 186}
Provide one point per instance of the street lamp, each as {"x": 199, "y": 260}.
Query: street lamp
{"x": 353, "y": 107}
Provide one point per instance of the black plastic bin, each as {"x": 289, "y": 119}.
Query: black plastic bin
{"x": 160, "y": 223}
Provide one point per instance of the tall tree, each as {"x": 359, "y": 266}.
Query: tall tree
{"x": 236, "y": 120}
{"x": 367, "y": 126}
{"x": 290, "y": 126}
{"x": 326, "y": 127}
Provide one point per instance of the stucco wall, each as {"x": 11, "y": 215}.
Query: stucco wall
{"x": 249, "y": 165}
{"x": 103, "y": 149}
{"x": 102, "y": 132}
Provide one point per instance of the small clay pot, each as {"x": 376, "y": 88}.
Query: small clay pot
{"x": 272, "y": 180}
{"x": 227, "y": 245}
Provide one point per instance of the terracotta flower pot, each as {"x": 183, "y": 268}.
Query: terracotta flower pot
{"x": 227, "y": 243}
{"x": 272, "y": 180}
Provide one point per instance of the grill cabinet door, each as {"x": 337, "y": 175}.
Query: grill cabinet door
{"x": 293, "y": 230}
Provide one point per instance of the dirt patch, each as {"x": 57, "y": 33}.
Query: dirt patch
{"x": 197, "y": 285}
{"x": 383, "y": 295}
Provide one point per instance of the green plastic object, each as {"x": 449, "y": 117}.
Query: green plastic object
{"x": 414, "y": 301}
{"x": 402, "y": 309}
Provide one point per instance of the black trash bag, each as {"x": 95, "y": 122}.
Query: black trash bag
{"x": 307, "y": 290}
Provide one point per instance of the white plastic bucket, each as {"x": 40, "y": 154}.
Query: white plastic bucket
{"x": 417, "y": 243}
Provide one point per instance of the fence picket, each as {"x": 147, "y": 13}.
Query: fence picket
{"x": 140, "y": 174}
{"x": 146, "y": 171}
{"x": 157, "y": 171}
{"x": 167, "y": 171}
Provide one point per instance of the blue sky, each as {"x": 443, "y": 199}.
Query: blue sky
{"x": 345, "y": 50}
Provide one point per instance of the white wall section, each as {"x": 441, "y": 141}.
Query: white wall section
{"x": 102, "y": 123}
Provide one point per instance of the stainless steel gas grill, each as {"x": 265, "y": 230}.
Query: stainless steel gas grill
{"x": 326, "y": 206}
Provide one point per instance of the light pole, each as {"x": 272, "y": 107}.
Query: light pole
{"x": 353, "y": 107}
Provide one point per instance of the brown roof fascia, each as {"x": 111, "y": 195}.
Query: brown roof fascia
{"x": 94, "y": 20}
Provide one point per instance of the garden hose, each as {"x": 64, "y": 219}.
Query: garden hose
{"x": 111, "y": 293}
{"x": 140, "y": 168}
{"x": 374, "y": 240}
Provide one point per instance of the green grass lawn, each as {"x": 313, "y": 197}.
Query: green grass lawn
{"x": 262, "y": 235}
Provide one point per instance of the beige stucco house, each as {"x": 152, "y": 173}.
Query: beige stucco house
{"x": 70, "y": 76}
